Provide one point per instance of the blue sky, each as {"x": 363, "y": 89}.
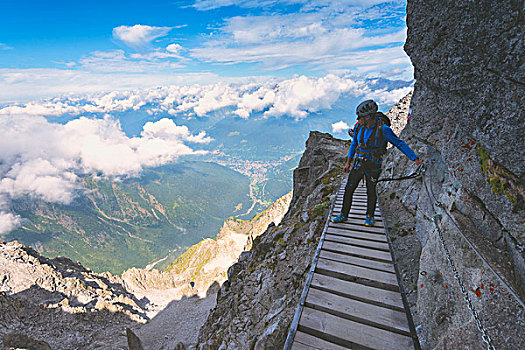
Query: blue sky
{"x": 238, "y": 58}
{"x": 55, "y": 47}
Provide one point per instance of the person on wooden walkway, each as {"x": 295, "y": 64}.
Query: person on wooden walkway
{"x": 366, "y": 150}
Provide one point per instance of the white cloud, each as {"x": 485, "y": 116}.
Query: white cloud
{"x": 166, "y": 129}
{"x": 158, "y": 55}
{"x": 340, "y": 127}
{"x": 318, "y": 38}
{"x": 8, "y": 221}
{"x": 296, "y": 97}
{"x": 67, "y": 64}
{"x": 117, "y": 61}
{"x": 390, "y": 97}
{"x": 174, "y": 48}
{"x": 299, "y": 96}
{"x": 371, "y": 61}
{"x": 334, "y": 46}
{"x": 5, "y": 47}
{"x": 257, "y": 29}
{"x": 44, "y": 160}
{"x": 139, "y": 35}
{"x": 205, "y": 5}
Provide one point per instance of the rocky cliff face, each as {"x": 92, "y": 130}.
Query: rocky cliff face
{"x": 398, "y": 114}
{"x": 467, "y": 123}
{"x": 256, "y": 305}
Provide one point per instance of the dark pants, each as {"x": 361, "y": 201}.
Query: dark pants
{"x": 371, "y": 172}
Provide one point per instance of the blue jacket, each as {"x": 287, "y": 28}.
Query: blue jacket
{"x": 388, "y": 135}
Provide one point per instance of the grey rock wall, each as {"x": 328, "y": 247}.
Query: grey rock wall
{"x": 467, "y": 125}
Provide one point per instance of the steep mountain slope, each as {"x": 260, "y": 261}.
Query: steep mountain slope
{"x": 467, "y": 124}
{"x": 186, "y": 291}
{"x": 256, "y": 305}
{"x": 206, "y": 262}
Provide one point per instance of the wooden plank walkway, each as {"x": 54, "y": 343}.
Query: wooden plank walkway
{"x": 352, "y": 298}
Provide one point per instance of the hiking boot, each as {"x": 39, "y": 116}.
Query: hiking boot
{"x": 370, "y": 220}
{"x": 339, "y": 218}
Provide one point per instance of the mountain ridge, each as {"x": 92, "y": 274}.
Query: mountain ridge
{"x": 256, "y": 304}
{"x": 61, "y": 303}
{"x": 207, "y": 261}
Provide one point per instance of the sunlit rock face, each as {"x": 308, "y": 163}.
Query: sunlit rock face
{"x": 207, "y": 262}
{"x": 466, "y": 124}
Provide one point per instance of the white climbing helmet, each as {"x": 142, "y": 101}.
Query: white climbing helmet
{"x": 365, "y": 108}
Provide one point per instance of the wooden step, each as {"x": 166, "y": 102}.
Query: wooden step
{"x": 305, "y": 341}
{"x": 355, "y": 310}
{"x": 347, "y": 272}
{"x": 350, "y": 333}
{"x": 353, "y": 260}
{"x": 361, "y": 209}
{"x": 371, "y": 295}
{"x": 358, "y": 242}
{"x": 363, "y": 228}
{"x": 356, "y": 234}
{"x": 366, "y": 253}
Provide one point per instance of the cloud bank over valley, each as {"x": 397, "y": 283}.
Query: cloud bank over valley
{"x": 295, "y": 97}
{"x": 45, "y": 160}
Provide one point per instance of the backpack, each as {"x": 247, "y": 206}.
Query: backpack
{"x": 384, "y": 118}
{"x": 381, "y": 119}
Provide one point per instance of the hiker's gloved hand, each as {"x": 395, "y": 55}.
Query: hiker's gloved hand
{"x": 418, "y": 161}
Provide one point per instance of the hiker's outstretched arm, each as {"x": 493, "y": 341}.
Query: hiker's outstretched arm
{"x": 396, "y": 141}
{"x": 353, "y": 145}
